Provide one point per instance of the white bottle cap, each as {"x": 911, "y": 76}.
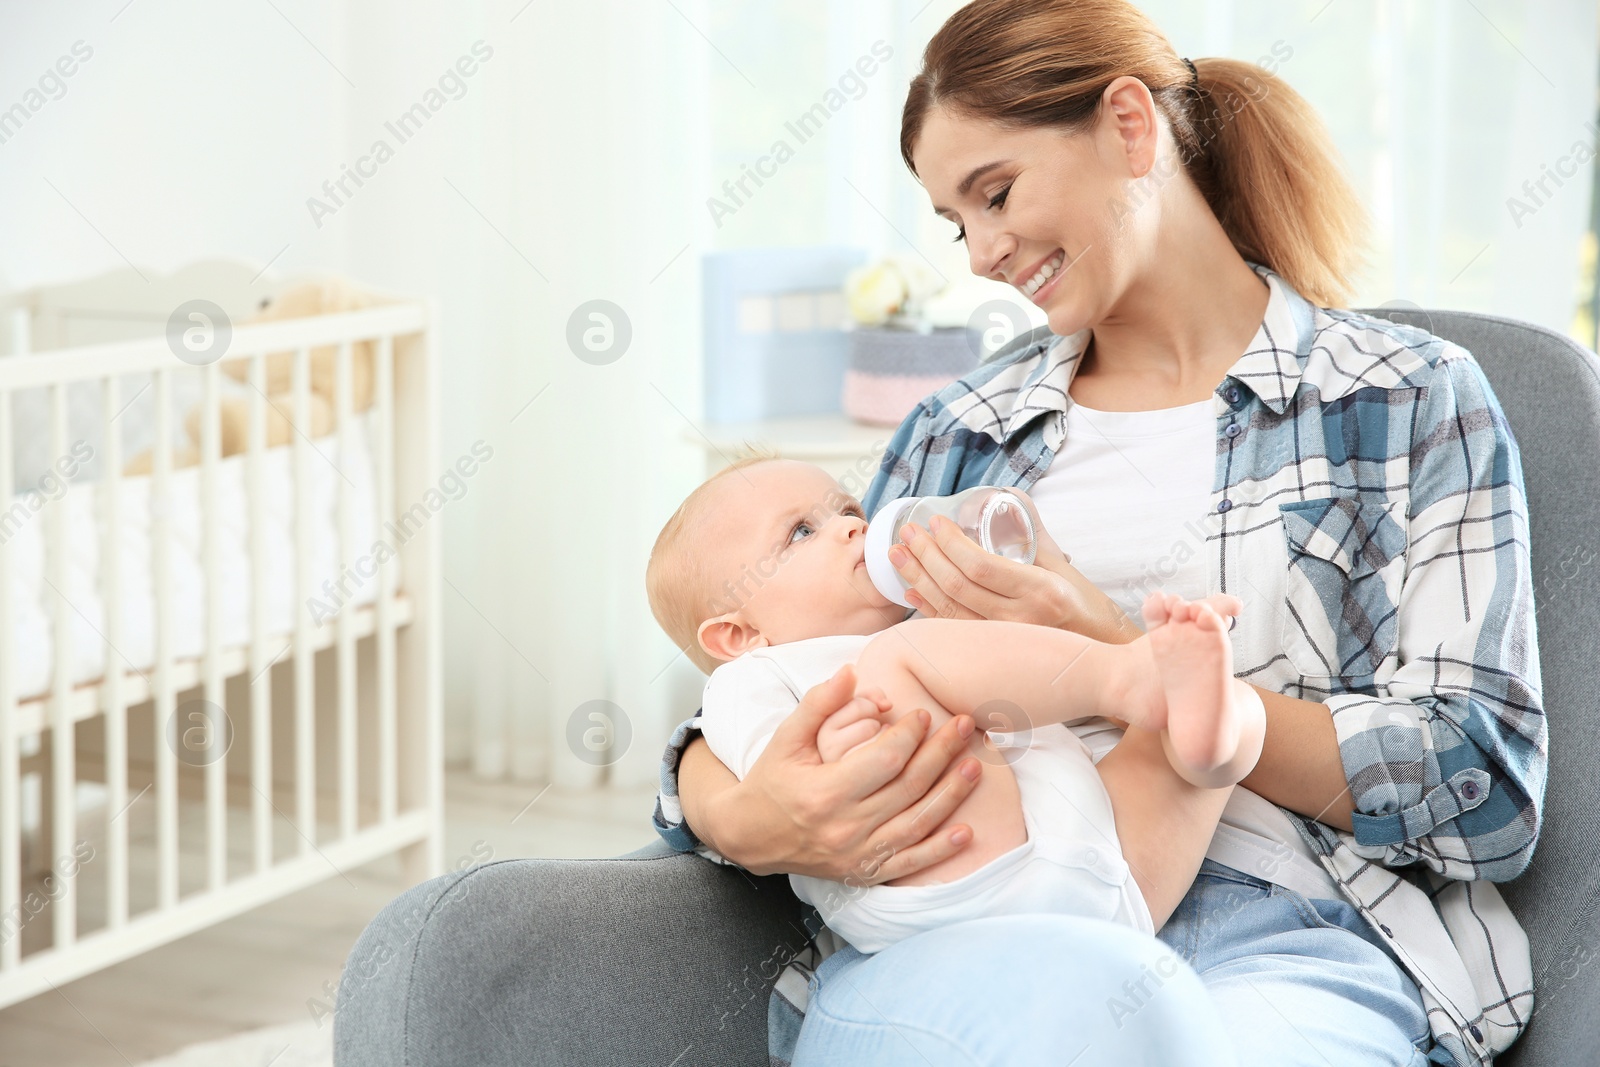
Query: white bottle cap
{"x": 880, "y": 536}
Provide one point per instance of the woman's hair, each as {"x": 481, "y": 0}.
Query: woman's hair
{"x": 1256, "y": 150}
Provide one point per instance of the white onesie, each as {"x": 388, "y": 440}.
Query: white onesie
{"x": 1071, "y": 863}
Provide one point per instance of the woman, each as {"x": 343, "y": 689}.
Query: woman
{"x": 1353, "y": 481}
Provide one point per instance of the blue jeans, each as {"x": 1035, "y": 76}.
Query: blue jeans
{"x": 1245, "y": 972}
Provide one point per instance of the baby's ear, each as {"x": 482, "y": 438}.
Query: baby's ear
{"x": 727, "y": 637}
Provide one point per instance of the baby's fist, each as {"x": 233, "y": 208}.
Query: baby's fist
{"x": 848, "y": 728}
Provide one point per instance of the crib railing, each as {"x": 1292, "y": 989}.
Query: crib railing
{"x": 400, "y": 679}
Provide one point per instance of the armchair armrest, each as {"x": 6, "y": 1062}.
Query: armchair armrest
{"x": 629, "y": 960}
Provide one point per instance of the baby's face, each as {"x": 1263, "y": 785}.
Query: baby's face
{"x": 785, "y": 549}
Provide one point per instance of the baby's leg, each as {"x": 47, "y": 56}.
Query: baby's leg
{"x": 994, "y": 808}
{"x": 1016, "y": 675}
{"x": 1164, "y": 823}
{"x": 1214, "y": 722}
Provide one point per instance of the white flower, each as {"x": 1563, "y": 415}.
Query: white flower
{"x": 922, "y": 281}
{"x": 966, "y": 294}
{"x": 874, "y": 293}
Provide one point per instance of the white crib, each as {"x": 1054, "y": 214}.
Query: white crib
{"x": 335, "y": 757}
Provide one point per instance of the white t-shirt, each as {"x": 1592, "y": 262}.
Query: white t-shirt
{"x": 1124, "y": 498}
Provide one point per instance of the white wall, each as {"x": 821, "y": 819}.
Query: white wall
{"x": 576, "y": 165}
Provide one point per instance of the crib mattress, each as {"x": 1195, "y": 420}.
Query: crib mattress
{"x": 339, "y": 583}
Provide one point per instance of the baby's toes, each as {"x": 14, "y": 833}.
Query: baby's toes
{"x": 1154, "y": 610}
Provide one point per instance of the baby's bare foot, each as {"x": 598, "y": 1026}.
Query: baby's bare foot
{"x": 1158, "y": 606}
{"x": 1138, "y": 695}
{"x": 1195, "y": 662}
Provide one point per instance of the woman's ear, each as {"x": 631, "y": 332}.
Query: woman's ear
{"x": 727, "y": 637}
{"x": 1130, "y": 112}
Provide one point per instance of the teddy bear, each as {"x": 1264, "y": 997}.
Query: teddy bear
{"x": 319, "y": 297}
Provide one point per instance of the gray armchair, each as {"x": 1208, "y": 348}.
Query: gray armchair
{"x": 659, "y": 958}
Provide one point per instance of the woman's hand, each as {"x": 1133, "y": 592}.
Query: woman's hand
{"x": 951, "y": 577}
{"x": 863, "y": 820}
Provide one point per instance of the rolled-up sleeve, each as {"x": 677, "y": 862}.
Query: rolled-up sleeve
{"x": 1447, "y": 763}
{"x": 668, "y": 817}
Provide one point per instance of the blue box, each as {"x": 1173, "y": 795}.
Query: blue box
{"x": 775, "y": 343}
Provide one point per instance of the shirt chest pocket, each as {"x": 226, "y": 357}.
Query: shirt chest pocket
{"x": 1346, "y": 566}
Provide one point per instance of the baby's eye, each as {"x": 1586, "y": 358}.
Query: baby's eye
{"x": 797, "y": 528}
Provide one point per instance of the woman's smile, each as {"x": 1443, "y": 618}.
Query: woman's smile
{"x": 1042, "y": 272}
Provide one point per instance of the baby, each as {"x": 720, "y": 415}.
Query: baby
{"x": 760, "y": 577}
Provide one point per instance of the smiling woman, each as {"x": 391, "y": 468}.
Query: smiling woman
{"x": 1189, "y": 232}
{"x": 1247, "y": 142}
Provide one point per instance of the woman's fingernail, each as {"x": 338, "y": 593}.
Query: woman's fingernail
{"x": 970, "y": 770}
{"x": 964, "y": 725}
{"x": 910, "y": 532}
{"x": 924, "y": 718}
{"x": 898, "y": 556}
{"x": 960, "y": 837}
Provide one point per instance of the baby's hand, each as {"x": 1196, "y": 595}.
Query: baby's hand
{"x": 852, "y": 725}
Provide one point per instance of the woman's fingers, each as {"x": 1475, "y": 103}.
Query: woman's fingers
{"x": 1005, "y": 578}
{"x": 844, "y": 738}
{"x": 944, "y": 590}
{"x": 875, "y": 765}
{"x": 920, "y": 856}
{"x": 930, "y": 764}
{"x": 908, "y": 843}
{"x": 798, "y": 731}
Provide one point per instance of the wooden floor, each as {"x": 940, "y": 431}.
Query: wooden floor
{"x": 273, "y": 965}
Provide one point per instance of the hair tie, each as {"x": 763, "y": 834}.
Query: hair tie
{"x": 1194, "y": 75}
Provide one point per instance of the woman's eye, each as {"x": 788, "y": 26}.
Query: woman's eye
{"x": 797, "y": 528}
{"x": 998, "y": 201}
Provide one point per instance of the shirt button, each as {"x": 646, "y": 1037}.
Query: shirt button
{"x": 1225, "y": 506}
{"x": 1469, "y": 790}
{"x": 1386, "y": 931}
{"x": 1477, "y": 1035}
{"x": 1232, "y": 394}
{"x": 1233, "y": 430}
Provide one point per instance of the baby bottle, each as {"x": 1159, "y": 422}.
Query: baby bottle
{"x": 996, "y": 519}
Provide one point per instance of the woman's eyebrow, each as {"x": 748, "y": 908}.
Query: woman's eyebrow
{"x": 966, "y": 184}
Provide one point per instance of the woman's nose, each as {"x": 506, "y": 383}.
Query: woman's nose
{"x": 986, "y": 250}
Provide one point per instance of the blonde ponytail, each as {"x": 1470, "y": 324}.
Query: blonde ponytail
{"x": 1266, "y": 165}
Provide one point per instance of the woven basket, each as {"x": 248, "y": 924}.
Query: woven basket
{"x": 891, "y": 371}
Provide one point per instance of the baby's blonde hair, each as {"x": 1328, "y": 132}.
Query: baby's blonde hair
{"x": 676, "y": 580}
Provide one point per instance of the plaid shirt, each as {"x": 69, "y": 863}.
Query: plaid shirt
{"x": 1368, "y": 508}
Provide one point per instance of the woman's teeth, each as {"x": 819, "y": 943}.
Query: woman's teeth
{"x": 1047, "y": 271}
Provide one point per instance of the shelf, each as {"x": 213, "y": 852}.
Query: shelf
{"x": 804, "y": 437}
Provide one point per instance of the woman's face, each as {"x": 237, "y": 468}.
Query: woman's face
{"x": 1063, "y": 201}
